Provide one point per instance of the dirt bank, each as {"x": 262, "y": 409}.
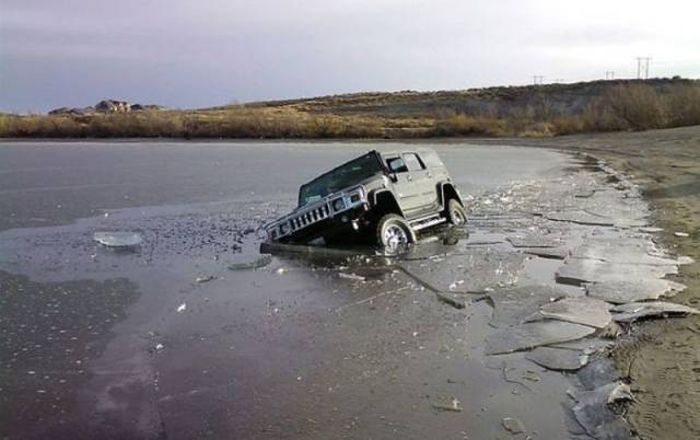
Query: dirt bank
{"x": 662, "y": 359}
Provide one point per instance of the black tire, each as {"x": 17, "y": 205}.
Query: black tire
{"x": 456, "y": 214}
{"x": 393, "y": 230}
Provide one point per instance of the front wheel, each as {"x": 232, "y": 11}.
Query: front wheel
{"x": 456, "y": 213}
{"x": 393, "y": 231}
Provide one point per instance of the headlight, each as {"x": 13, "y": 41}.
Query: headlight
{"x": 354, "y": 198}
{"x": 284, "y": 227}
{"x": 338, "y": 204}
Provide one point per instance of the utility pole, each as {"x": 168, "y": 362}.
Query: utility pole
{"x": 646, "y": 67}
{"x": 643, "y": 67}
{"x": 610, "y": 74}
{"x": 537, "y": 79}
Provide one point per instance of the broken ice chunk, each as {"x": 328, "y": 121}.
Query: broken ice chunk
{"x": 118, "y": 239}
{"x": 251, "y": 263}
{"x": 578, "y": 310}
{"x": 534, "y": 334}
{"x": 623, "y": 291}
{"x": 514, "y": 306}
{"x": 560, "y": 359}
{"x": 632, "y": 311}
{"x": 594, "y": 415}
{"x": 204, "y": 279}
{"x": 531, "y": 240}
{"x": 512, "y": 425}
{"x": 351, "y": 276}
{"x": 448, "y": 404}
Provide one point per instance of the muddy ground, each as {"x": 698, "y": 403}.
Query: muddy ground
{"x": 190, "y": 335}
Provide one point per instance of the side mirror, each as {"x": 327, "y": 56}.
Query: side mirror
{"x": 394, "y": 178}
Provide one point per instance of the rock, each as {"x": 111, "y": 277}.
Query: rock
{"x": 118, "y": 239}
{"x": 512, "y": 425}
{"x": 181, "y": 308}
{"x": 624, "y": 291}
{"x": 681, "y": 234}
{"x": 594, "y": 415}
{"x": 633, "y": 311}
{"x": 534, "y": 334}
{"x": 559, "y": 359}
{"x": 581, "y": 310}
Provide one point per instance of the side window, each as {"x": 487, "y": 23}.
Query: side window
{"x": 413, "y": 162}
{"x": 396, "y": 165}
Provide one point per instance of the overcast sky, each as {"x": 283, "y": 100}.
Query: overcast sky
{"x": 197, "y": 53}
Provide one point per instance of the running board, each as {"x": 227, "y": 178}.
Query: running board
{"x": 427, "y": 222}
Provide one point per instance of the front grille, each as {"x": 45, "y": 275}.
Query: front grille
{"x": 323, "y": 210}
{"x": 309, "y": 217}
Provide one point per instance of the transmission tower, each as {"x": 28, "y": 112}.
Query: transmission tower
{"x": 643, "y": 67}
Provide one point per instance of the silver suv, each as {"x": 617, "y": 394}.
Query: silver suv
{"x": 386, "y": 197}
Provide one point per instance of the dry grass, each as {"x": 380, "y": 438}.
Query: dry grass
{"x": 521, "y": 111}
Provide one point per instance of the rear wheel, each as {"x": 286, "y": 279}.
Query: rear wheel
{"x": 393, "y": 231}
{"x": 456, "y": 213}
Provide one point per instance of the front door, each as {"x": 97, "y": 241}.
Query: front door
{"x": 405, "y": 189}
{"x": 426, "y": 193}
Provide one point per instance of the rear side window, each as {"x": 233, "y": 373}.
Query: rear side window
{"x": 413, "y": 162}
{"x": 431, "y": 159}
{"x": 396, "y": 165}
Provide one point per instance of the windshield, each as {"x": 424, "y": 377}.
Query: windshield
{"x": 339, "y": 178}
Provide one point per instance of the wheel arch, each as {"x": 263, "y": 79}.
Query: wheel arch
{"x": 446, "y": 192}
{"x": 384, "y": 202}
